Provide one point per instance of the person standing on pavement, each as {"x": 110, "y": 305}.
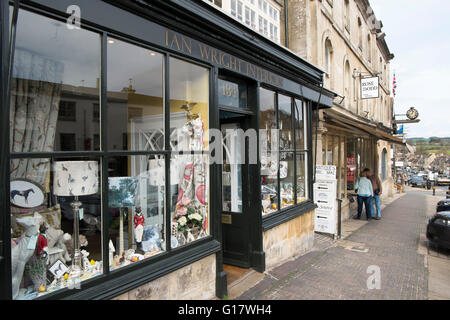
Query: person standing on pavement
{"x": 364, "y": 190}
{"x": 377, "y": 192}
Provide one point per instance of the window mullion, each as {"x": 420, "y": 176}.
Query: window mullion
{"x": 167, "y": 205}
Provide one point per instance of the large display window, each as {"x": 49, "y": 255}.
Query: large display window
{"x": 104, "y": 165}
{"x": 283, "y": 151}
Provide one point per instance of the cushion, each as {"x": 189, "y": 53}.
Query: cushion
{"x": 51, "y": 217}
{"x": 53, "y": 236}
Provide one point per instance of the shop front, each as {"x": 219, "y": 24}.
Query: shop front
{"x": 353, "y": 144}
{"x": 147, "y": 147}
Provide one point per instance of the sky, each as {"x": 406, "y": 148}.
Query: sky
{"x": 418, "y": 34}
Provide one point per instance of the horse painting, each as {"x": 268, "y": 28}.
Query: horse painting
{"x": 25, "y": 194}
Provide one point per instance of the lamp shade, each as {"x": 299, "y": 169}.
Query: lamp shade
{"x": 75, "y": 178}
{"x": 122, "y": 192}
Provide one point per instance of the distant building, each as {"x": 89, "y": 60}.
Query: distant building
{"x": 346, "y": 40}
{"x": 263, "y": 16}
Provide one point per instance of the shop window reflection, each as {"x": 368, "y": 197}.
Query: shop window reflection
{"x": 135, "y": 98}
{"x": 55, "y": 82}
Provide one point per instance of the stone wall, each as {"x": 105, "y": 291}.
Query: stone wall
{"x": 196, "y": 281}
{"x": 289, "y": 239}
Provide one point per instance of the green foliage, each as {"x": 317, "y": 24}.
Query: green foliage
{"x": 426, "y": 146}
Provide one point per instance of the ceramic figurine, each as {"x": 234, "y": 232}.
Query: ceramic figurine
{"x": 139, "y": 229}
{"x": 86, "y": 263}
{"x": 24, "y": 250}
{"x": 42, "y": 244}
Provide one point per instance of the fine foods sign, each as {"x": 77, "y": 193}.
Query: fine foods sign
{"x": 369, "y": 88}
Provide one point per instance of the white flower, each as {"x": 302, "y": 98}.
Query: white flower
{"x": 182, "y": 221}
{"x": 195, "y": 216}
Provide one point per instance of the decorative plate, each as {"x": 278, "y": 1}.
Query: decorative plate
{"x": 26, "y": 193}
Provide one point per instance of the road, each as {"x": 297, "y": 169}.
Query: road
{"x": 381, "y": 260}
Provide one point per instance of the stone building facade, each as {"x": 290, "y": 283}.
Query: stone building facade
{"x": 345, "y": 39}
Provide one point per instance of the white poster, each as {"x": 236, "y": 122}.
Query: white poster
{"x": 370, "y": 88}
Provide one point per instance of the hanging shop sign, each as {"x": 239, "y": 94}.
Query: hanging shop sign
{"x": 325, "y": 199}
{"x": 370, "y": 88}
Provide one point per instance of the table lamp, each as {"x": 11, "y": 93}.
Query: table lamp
{"x": 122, "y": 193}
{"x": 74, "y": 179}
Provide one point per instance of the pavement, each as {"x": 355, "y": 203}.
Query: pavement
{"x": 389, "y": 259}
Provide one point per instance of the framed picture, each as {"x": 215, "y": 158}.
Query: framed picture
{"x": 58, "y": 269}
{"x": 25, "y": 193}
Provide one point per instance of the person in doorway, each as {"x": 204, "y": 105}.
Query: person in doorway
{"x": 377, "y": 192}
{"x": 364, "y": 190}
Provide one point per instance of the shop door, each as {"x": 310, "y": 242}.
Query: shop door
{"x": 235, "y": 227}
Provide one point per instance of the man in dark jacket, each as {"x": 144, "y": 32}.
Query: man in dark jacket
{"x": 377, "y": 192}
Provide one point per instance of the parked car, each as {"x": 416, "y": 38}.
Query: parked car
{"x": 443, "y": 205}
{"x": 438, "y": 229}
{"x": 443, "y": 180}
{"x": 418, "y": 181}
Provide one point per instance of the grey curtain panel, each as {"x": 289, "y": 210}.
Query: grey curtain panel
{"x": 35, "y": 95}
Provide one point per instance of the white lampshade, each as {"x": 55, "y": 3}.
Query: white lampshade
{"x": 75, "y": 178}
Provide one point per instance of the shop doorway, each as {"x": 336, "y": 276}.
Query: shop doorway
{"x": 235, "y": 197}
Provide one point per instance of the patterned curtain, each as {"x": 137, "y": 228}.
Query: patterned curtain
{"x": 35, "y": 95}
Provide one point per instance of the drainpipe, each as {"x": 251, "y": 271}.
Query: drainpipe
{"x": 286, "y": 25}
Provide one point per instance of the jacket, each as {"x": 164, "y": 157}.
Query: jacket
{"x": 364, "y": 187}
{"x": 376, "y": 183}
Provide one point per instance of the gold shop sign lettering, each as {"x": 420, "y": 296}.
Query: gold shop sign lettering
{"x": 186, "y": 45}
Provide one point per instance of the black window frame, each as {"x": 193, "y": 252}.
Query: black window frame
{"x": 280, "y": 216}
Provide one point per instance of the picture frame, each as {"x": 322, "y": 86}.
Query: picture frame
{"x": 58, "y": 269}
{"x": 25, "y": 193}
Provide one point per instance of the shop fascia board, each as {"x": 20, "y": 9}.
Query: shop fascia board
{"x": 229, "y": 31}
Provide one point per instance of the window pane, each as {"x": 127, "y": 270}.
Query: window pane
{"x": 287, "y": 179}
{"x": 300, "y": 142}
{"x": 233, "y": 7}
{"x": 43, "y": 228}
{"x": 135, "y": 98}
{"x": 285, "y": 120}
{"x": 136, "y": 201}
{"x": 239, "y": 10}
{"x": 54, "y": 86}
{"x": 269, "y": 183}
{"x": 231, "y": 169}
{"x": 268, "y": 121}
{"x": 302, "y": 191}
{"x": 189, "y": 105}
{"x": 189, "y": 198}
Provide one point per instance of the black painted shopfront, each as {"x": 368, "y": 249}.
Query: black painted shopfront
{"x": 129, "y": 98}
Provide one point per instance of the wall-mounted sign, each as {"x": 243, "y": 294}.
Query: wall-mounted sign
{"x": 370, "y": 88}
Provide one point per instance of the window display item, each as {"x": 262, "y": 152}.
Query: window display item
{"x": 26, "y": 193}
{"x": 138, "y": 221}
{"x": 122, "y": 193}
{"x": 75, "y": 178}
{"x": 191, "y": 206}
{"x": 24, "y": 249}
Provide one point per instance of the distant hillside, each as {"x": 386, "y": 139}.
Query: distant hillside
{"x": 431, "y": 145}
